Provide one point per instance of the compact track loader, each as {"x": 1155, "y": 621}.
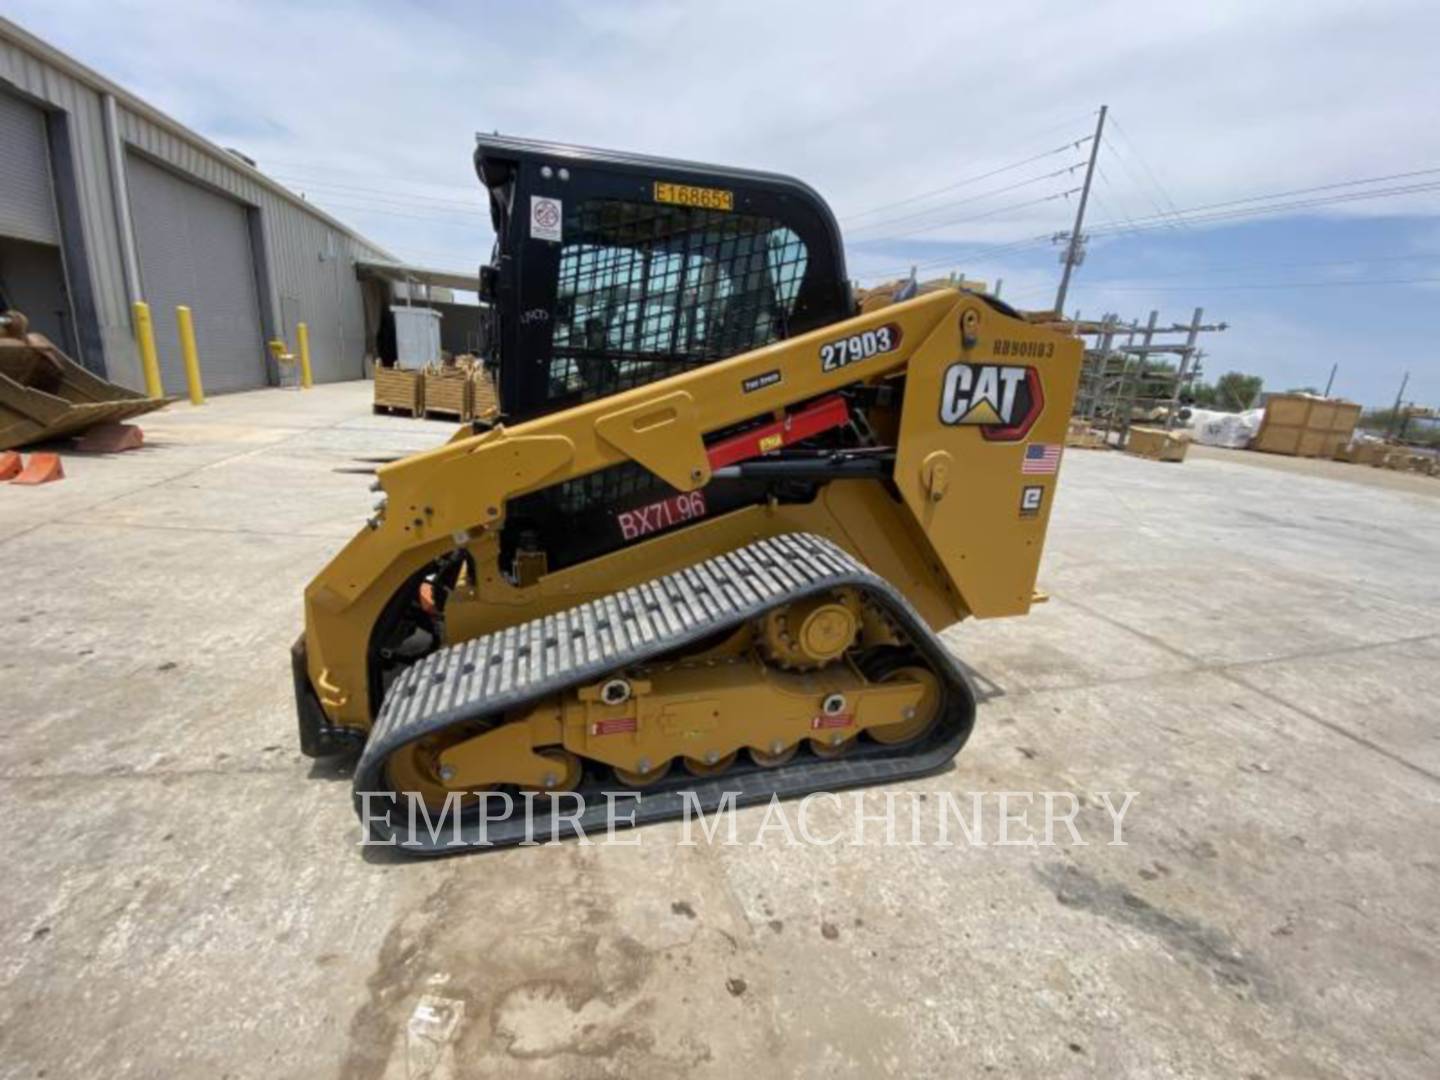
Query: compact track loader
{"x": 709, "y": 542}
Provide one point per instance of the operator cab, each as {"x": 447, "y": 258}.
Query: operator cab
{"x": 614, "y": 270}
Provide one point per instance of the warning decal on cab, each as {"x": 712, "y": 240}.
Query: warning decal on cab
{"x": 546, "y": 217}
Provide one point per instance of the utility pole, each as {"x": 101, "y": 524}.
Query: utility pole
{"x": 1073, "y": 250}
{"x": 1331, "y": 381}
{"x": 1395, "y": 412}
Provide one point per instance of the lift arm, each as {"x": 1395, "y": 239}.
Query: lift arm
{"x": 943, "y": 342}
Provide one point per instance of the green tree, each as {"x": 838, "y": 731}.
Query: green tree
{"x": 1236, "y": 391}
{"x": 1232, "y": 392}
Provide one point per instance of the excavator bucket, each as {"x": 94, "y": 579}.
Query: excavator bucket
{"x": 45, "y": 395}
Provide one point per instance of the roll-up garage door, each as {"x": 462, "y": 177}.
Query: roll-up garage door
{"x": 194, "y": 248}
{"x": 27, "y": 202}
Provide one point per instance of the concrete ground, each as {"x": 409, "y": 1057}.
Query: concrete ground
{"x": 1390, "y": 479}
{"x": 1255, "y": 653}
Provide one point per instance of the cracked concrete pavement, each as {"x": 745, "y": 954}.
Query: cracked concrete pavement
{"x": 1255, "y": 652}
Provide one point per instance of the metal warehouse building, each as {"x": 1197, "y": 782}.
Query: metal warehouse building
{"x": 104, "y": 200}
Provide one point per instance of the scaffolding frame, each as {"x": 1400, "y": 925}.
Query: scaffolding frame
{"x": 1125, "y": 378}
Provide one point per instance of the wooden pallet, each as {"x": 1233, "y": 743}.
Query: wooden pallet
{"x": 399, "y": 390}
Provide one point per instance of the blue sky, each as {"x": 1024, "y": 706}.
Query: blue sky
{"x": 370, "y": 109}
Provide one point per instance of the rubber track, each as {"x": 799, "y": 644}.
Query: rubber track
{"x": 520, "y": 664}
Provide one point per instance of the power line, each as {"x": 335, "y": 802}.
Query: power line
{"x": 1016, "y": 247}
{"x": 1135, "y": 149}
{"x": 408, "y": 197}
{"x": 1275, "y": 208}
{"x": 987, "y": 214}
{"x": 1159, "y": 210}
{"x": 1286, "y": 194}
{"x": 366, "y": 174}
{"x": 410, "y": 208}
{"x": 439, "y": 217}
{"x": 1110, "y": 186}
{"x": 971, "y": 250}
{"x": 1266, "y": 285}
{"x": 967, "y": 180}
{"x": 1359, "y": 261}
{"x": 969, "y": 199}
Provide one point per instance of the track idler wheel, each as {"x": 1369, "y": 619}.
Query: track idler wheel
{"x": 777, "y": 755}
{"x": 832, "y": 746}
{"x": 705, "y": 767}
{"x": 915, "y": 724}
{"x": 566, "y": 775}
{"x": 417, "y": 767}
{"x": 643, "y": 776}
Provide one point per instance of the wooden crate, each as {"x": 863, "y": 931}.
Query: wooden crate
{"x": 450, "y": 393}
{"x": 399, "y": 390}
{"x": 1157, "y": 444}
{"x": 487, "y": 397}
{"x": 1080, "y": 434}
{"x": 1303, "y": 425}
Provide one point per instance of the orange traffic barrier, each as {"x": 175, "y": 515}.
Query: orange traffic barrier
{"x": 110, "y": 439}
{"x": 43, "y": 468}
{"x": 10, "y": 465}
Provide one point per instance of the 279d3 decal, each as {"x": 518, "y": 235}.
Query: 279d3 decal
{"x": 1003, "y": 400}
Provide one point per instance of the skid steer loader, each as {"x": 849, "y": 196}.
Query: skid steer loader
{"x": 705, "y": 550}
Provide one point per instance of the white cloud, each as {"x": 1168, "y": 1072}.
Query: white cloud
{"x": 868, "y": 102}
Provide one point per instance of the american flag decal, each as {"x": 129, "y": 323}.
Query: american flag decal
{"x": 1041, "y": 459}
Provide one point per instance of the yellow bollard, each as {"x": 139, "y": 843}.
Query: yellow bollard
{"x": 303, "y": 333}
{"x": 192, "y": 358}
{"x": 145, "y": 341}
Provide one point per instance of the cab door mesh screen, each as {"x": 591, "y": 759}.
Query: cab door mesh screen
{"x": 646, "y": 291}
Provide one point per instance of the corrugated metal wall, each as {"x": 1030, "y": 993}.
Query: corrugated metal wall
{"x": 27, "y": 205}
{"x": 305, "y": 259}
{"x": 40, "y": 81}
{"x": 195, "y": 250}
